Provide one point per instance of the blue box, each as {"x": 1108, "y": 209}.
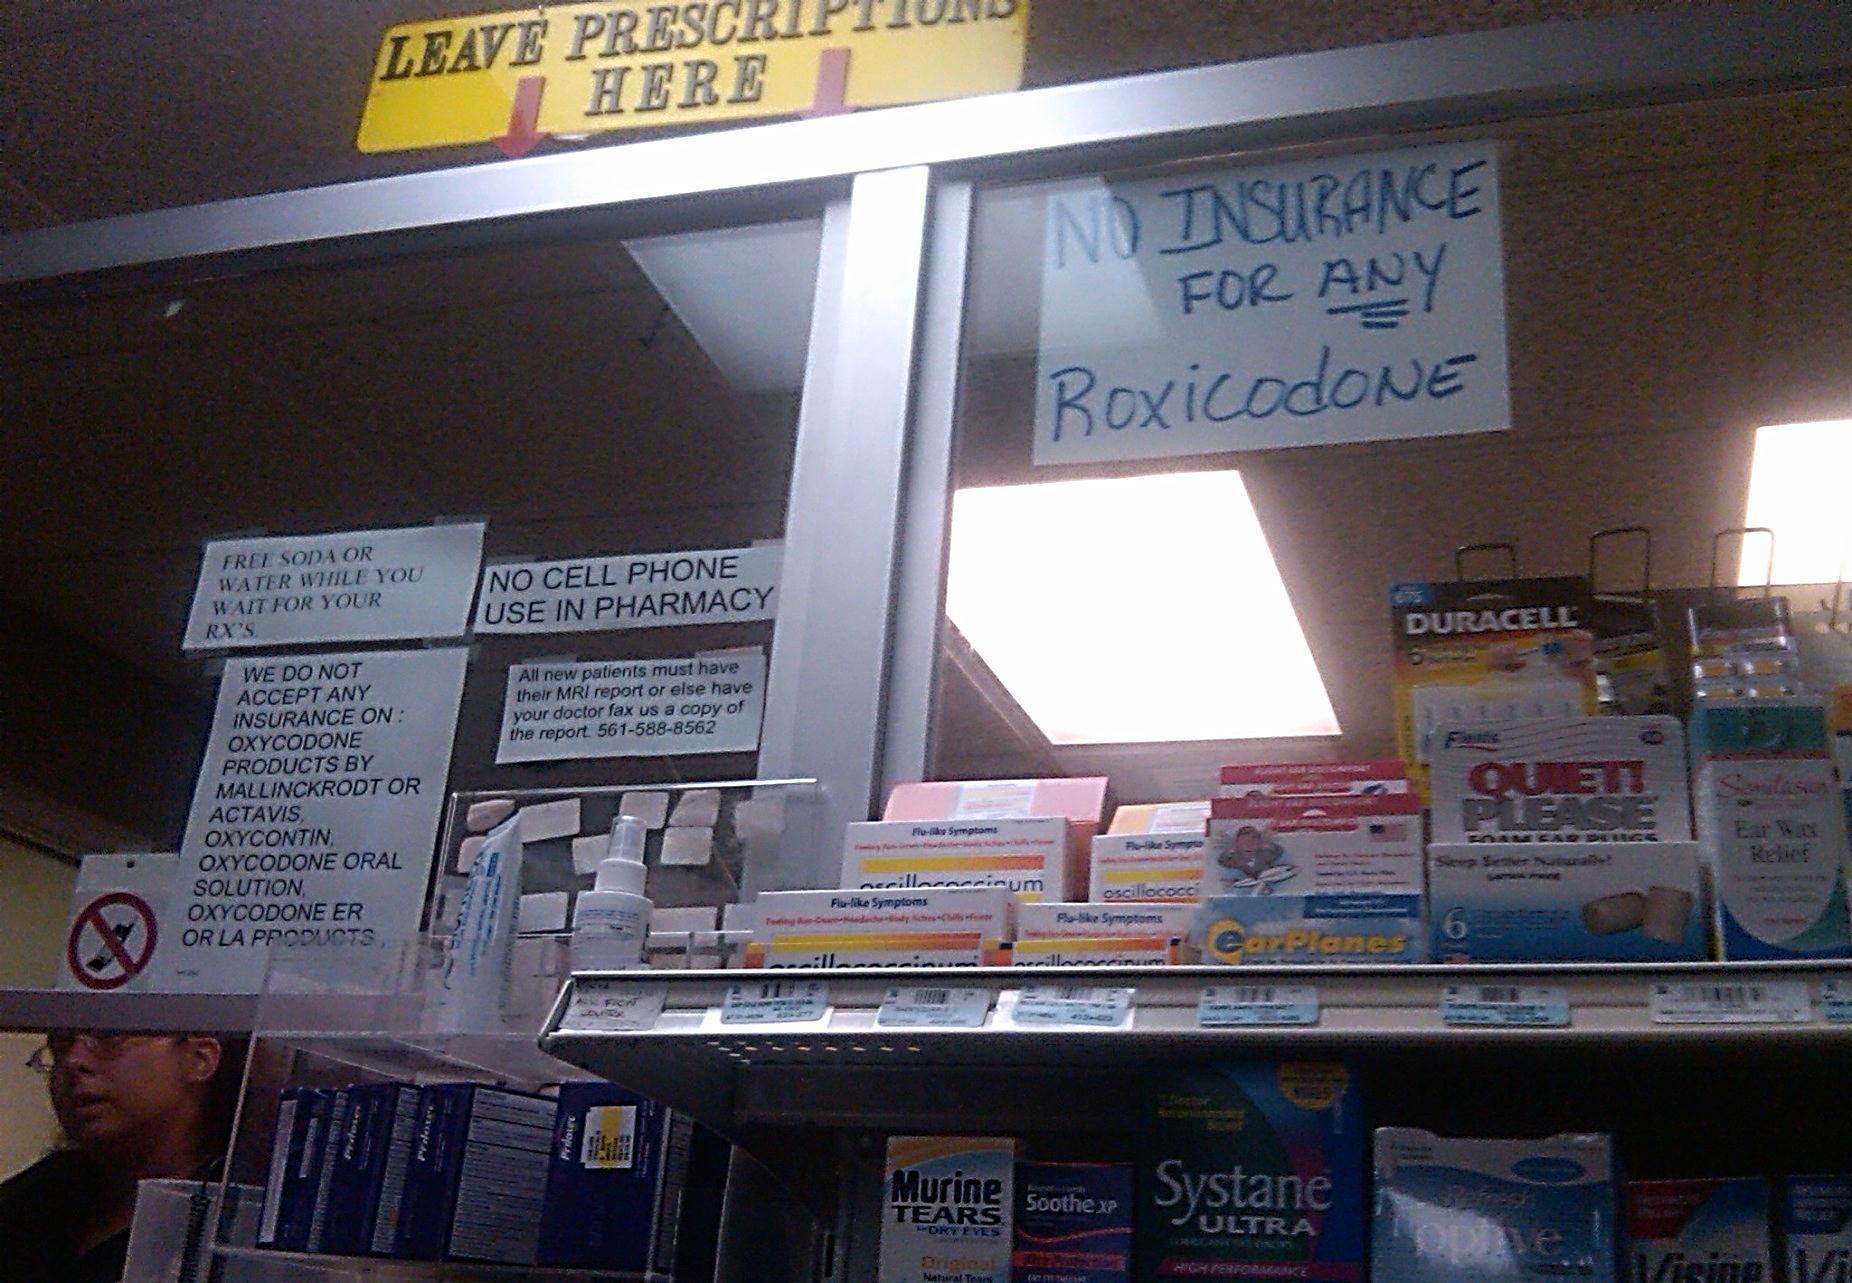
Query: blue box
{"x": 1309, "y": 930}
{"x": 296, "y": 1156}
{"x": 367, "y": 1167}
{"x": 1709, "y": 1229}
{"x": 476, "y": 1175}
{"x": 1073, "y": 1223}
{"x": 614, "y": 1182}
{"x": 1816, "y": 1227}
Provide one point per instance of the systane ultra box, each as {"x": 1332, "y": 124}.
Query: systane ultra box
{"x": 946, "y": 1209}
{"x": 1250, "y": 1172}
{"x": 1313, "y": 845}
{"x": 1146, "y": 867}
{"x": 1563, "y": 779}
{"x": 1549, "y": 902}
{"x": 1699, "y": 1229}
{"x": 1028, "y": 857}
{"x": 1816, "y": 1228}
{"x": 1492, "y": 1211}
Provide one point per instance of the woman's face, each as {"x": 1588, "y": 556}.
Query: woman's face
{"x": 110, "y": 1088}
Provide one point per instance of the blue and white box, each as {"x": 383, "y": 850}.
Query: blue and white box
{"x": 367, "y": 1167}
{"x": 614, "y": 1183}
{"x": 1816, "y": 1228}
{"x": 1073, "y": 1223}
{"x": 1344, "y": 927}
{"x": 296, "y": 1156}
{"x": 1701, "y": 1230}
{"x": 1486, "y": 1211}
{"x": 477, "y": 1175}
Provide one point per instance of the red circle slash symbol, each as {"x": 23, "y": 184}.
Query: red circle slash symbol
{"x": 111, "y": 940}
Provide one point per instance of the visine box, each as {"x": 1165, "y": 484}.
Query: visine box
{"x": 946, "y": 1209}
{"x": 937, "y": 926}
{"x": 1705, "y": 1231}
{"x": 1310, "y": 929}
{"x": 478, "y": 1169}
{"x": 1073, "y": 1223}
{"x": 1549, "y": 902}
{"x": 1568, "y": 779}
{"x": 614, "y": 1183}
{"x": 1492, "y": 1211}
{"x": 367, "y": 1165}
{"x": 1146, "y": 867}
{"x": 1029, "y": 857}
{"x": 1816, "y": 1228}
{"x": 1251, "y": 1171}
{"x": 1313, "y": 845}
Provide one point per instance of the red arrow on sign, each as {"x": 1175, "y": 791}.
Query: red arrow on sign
{"x": 523, "y": 118}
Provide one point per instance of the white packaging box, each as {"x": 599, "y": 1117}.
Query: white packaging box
{"x": 1028, "y": 856}
{"x": 1146, "y": 867}
{"x": 988, "y": 911}
{"x": 1095, "y": 951}
{"x": 1565, "y": 902}
{"x": 1313, "y": 845}
{"x": 947, "y": 1198}
{"x": 1575, "y": 779}
{"x": 1051, "y": 920}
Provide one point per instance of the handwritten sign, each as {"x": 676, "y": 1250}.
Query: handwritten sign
{"x": 357, "y": 585}
{"x": 316, "y": 809}
{"x": 654, "y": 590}
{"x": 1344, "y": 299}
{"x": 633, "y": 708}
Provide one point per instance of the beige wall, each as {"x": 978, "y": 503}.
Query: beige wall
{"x": 35, "y": 897}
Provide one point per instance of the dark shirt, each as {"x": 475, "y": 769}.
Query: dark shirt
{"x": 42, "y": 1217}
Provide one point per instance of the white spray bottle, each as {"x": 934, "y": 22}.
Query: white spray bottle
{"x": 610, "y": 923}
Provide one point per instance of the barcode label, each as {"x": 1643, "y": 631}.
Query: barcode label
{"x": 776, "y": 1002}
{"x": 1512, "y": 1006}
{"x": 934, "y": 1008}
{"x": 1225, "y": 1006}
{"x": 1773, "y": 1002}
{"x": 1836, "y": 1001}
{"x": 1059, "y": 1006}
{"x": 613, "y": 1006}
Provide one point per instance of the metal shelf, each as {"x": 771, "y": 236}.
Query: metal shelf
{"x": 384, "y": 1268}
{"x": 36, "y": 1010}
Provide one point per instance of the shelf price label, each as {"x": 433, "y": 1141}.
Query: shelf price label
{"x": 1504, "y": 1006}
{"x": 934, "y": 1008}
{"x": 613, "y": 1006}
{"x": 1233, "y": 1006}
{"x": 1770, "y": 1002}
{"x": 1836, "y": 1000}
{"x": 776, "y": 1002}
{"x": 1071, "y": 1006}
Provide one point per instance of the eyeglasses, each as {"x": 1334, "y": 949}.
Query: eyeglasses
{"x": 101, "y": 1047}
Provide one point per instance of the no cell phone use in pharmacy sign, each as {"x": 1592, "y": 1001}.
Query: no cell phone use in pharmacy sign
{"x": 1349, "y": 298}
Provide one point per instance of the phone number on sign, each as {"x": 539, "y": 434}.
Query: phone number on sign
{"x": 645, "y": 730}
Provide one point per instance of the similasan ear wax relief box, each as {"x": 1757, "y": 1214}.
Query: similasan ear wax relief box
{"x": 946, "y": 1209}
{"x": 1028, "y": 857}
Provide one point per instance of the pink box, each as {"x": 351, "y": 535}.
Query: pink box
{"x": 1081, "y": 800}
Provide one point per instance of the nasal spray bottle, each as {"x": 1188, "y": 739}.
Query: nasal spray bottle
{"x": 611, "y": 921}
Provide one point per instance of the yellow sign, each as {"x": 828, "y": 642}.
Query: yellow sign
{"x": 513, "y": 78}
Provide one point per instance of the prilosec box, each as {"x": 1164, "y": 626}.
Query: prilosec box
{"x": 1073, "y": 1223}
{"x": 1701, "y": 1230}
{"x": 1554, "y": 902}
{"x": 477, "y": 1173}
{"x": 296, "y": 1158}
{"x": 1363, "y": 926}
{"x": 367, "y": 1165}
{"x": 1146, "y": 867}
{"x": 614, "y": 1182}
{"x": 1816, "y": 1228}
{"x": 946, "y": 1209}
{"x": 1772, "y": 827}
{"x": 1250, "y": 1171}
{"x": 1487, "y": 1211}
{"x": 1028, "y": 857}
{"x": 1313, "y": 845}
{"x": 1563, "y": 780}
{"x": 937, "y": 926}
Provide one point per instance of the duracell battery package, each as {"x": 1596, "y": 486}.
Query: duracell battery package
{"x": 1488, "y": 650}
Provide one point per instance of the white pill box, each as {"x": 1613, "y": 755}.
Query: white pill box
{"x": 947, "y": 1207}
{"x": 1053, "y": 920}
{"x": 942, "y": 926}
{"x": 1028, "y": 857}
{"x": 1562, "y": 779}
{"x": 1313, "y": 845}
{"x": 1146, "y": 867}
{"x": 1552, "y": 902}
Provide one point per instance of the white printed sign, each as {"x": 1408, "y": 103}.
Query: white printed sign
{"x": 119, "y": 921}
{"x": 358, "y": 585}
{"x": 633, "y": 708}
{"x": 653, "y": 590}
{"x": 316, "y": 810}
{"x": 1344, "y": 299}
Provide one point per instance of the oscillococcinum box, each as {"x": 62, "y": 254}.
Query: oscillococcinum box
{"x": 934, "y": 926}
{"x": 947, "y": 1204}
{"x": 1144, "y": 867}
{"x": 1028, "y": 857}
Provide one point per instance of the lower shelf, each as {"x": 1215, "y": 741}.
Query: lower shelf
{"x": 308, "y": 1267}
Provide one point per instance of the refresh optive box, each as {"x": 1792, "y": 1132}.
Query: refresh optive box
{"x": 1313, "y": 845}
{"x": 1816, "y": 1228}
{"x": 1308, "y": 930}
{"x": 1493, "y": 1211}
{"x": 946, "y": 1209}
{"x": 1028, "y": 857}
{"x": 1250, "y": 1171}
{"x": 1073, "y": 1223}
{"x": 938, "y": 926}
{"x": 1551, "y": 902}
{"x": 1700, "y": 1229}
{"x": 1147, "y": 867}
{"x": 1566, "y": 779}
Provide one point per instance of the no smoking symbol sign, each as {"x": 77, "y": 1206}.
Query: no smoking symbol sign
{"x": 111, "y": 941}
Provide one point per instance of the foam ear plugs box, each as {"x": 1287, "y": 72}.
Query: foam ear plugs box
{"x": 1298, "y": 930}
{"x": 1555, "y": 902}
{"x": 614, "y": 1181}
{"x": 1250, "y": 1171}
{"x": 1702, "y": 1230}
{"x": 1816, "y": 1228}
{"x": 1492, "y": 1211}
{"x": 1073, "y": 1223}
{"x": 1313, "y": 845}
{"x": 1028, "y": 857}
{"x": 946, "y": 1208}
